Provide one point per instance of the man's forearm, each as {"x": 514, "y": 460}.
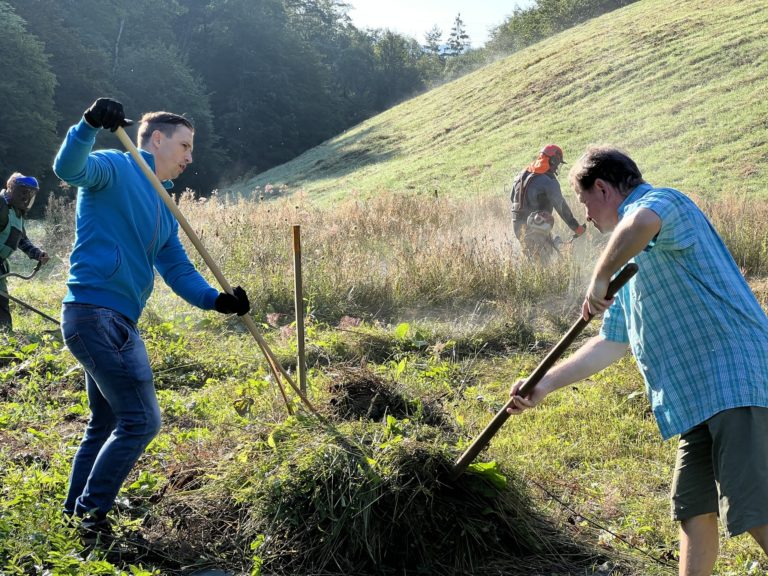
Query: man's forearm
{"x": 71, "y": 162}
{"x": 26, "y": 246}
{"x": 595, "y": 355}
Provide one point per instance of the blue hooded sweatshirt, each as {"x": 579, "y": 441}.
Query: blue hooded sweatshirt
{"x": 123, "y": 231}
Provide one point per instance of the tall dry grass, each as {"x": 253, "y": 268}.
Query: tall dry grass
{"x": 392, "y": 256}
{"x": 401, "y": 256}
{"x": 743, "y": 225}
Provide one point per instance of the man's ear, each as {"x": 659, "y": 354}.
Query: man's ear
{"x": 156, "y": 138}
{"x": 599, "y": 186}
{"x": 602, "y": 186}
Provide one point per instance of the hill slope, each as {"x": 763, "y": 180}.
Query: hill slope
{"x": 684, "y": 90}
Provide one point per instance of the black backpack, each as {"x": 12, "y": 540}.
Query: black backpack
{"x": 518, "y": 195}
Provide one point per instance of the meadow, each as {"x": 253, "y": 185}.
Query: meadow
{"x": 420, "y": 314}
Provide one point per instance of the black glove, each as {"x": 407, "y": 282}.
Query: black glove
{"x": 106, "y": 113}
{"x": 236, "y": 303}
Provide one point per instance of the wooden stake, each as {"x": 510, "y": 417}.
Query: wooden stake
{"x": 298, "y": 298}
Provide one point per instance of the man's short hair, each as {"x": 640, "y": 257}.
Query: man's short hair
{"x": 607, "y": 163}
{"x": 166, "y": 122}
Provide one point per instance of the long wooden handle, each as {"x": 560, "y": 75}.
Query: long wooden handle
{"x": 502, "y": 415}
{"x": 246, "y": 319}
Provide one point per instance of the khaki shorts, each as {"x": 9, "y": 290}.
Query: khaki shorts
{"x": 722, "y": 467}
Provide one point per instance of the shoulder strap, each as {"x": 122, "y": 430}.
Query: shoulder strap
{"x": 527, "y": 176}
{"x": 3, "y": 211}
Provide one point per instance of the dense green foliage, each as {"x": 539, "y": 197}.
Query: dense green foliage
{"x": 527, "y": 26}
{"x": 263, "y": 81}
{"x": 26, "y": 126}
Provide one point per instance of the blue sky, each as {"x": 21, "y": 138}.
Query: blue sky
{"x": 414, "y": 17}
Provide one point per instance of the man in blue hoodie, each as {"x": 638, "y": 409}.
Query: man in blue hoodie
{"x": 124, "y": 232}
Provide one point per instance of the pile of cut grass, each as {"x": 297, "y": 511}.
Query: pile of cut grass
{"x": 390, "y": 506}
{"x": 363, "y": 497}
{"x": 359, "y": 393}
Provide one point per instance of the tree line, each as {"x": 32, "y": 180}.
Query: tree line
{"x": 262, "y": 80}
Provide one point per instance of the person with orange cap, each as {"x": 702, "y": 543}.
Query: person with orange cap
{"x": 535, "y": 194}
{"x": 15, "y": 202}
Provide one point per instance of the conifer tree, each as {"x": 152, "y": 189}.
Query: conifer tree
{"x": 432, "y": 40}
{"x": 458, "y": 39}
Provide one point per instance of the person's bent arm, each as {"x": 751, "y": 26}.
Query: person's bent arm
{"x": 180, "y": 274}
{"x": 32, "y": 251}
{"x": 595, "y": 355}
{"x": 555, "y": 196}
{"x": 633, "y": 233}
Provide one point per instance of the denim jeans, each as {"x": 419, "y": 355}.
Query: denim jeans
{"x": 125, "y": 415}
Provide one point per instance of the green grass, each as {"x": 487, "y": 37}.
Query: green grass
{"x": 681, "y": 88}
{"x": 590, "y": 459}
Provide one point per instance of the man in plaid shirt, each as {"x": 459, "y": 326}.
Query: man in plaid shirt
{"x": 700, "y": 339}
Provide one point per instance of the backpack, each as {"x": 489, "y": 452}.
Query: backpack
{"x": 518, "y": 197}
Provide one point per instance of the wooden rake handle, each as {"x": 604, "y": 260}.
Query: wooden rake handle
{"x": 246, "y": 319}
{"x": 554, "y": 355}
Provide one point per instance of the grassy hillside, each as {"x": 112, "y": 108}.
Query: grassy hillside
{"x": 682, "y": 88}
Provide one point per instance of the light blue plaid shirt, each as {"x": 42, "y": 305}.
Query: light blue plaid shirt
{"x": 698, "y": 334}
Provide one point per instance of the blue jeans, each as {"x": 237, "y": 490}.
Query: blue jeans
{"x": 125, "y": 415}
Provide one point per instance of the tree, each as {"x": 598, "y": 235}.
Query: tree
{"x": 270, "y": 89}
{"x": 354, "y": 73}
{"x": 398, "y": 73}
{"x": 465, "y": 63}
{"x": 432, "y": 41}
{"x": 82, "y": 72}
{"x": 458, "y": 39}
{"x": 547, "y": 17}
{"x": 156, "y": 77}
{"x": 27, "y": 115}
{"x": 271, "y": 77}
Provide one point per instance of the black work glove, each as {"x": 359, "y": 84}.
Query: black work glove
{"x": 236, "y": 303}
{"x": 106, "y": 113}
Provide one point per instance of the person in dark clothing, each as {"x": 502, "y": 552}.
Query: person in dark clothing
{"x": 535, "y": 194}
{"x": 15, "y": 201}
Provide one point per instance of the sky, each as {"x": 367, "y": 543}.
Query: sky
{"x": 415, "y": 17}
